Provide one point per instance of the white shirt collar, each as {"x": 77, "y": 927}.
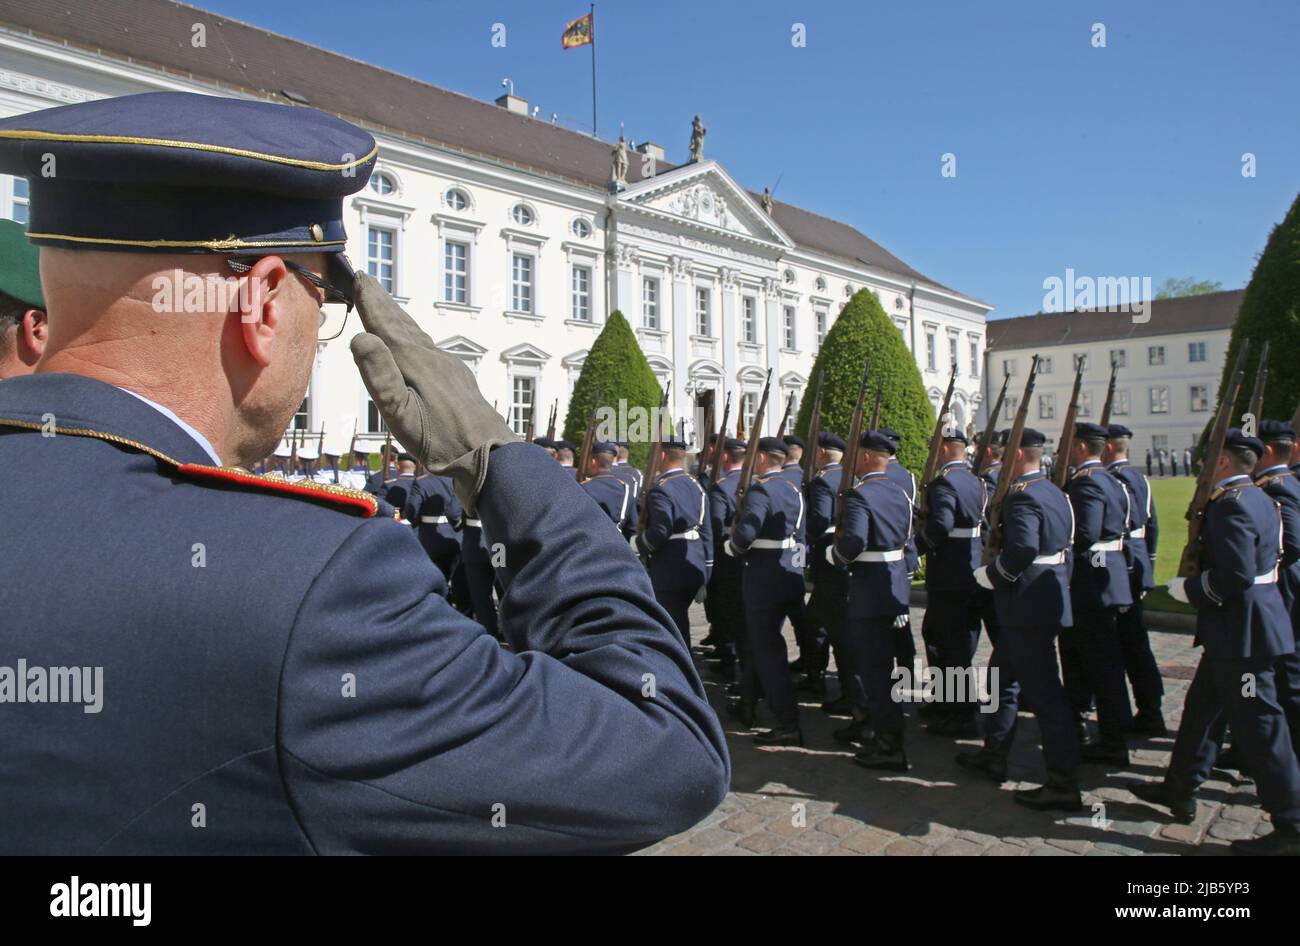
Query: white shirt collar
{"x": 201, "y": 440}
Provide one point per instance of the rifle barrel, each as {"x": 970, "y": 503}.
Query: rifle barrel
{"x": 751, "y": 451}
{"x": 1007, "y": 473}
{"x": 1065, "y": 445}
{"x": 991, "y": 425}
{"x": 850, "y": 470}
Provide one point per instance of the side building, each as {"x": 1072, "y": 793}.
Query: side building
{"x": 1169, "y": 367}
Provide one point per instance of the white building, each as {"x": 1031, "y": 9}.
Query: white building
{"x": 1169, "y": 367}
{"x": 502, "y": 234}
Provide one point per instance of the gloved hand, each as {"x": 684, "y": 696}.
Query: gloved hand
{"x": 727, "y": 547}
{"x": 982, "y": 577}
{"x": 428, "y": 397}
{"x": 902, "y": 620}
{"x": 1178, "y": 590}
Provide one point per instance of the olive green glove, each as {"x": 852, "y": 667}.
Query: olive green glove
{"x": 429, "y": 398}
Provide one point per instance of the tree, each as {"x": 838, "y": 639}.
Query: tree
{"x": 615, "y": 370}
{"x": 1271, "y": 310}
{"x": 1177, "y": 288}
{"x": 864, "y": 329}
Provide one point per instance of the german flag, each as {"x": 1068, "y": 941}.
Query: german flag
{"x": 578, "y": 33}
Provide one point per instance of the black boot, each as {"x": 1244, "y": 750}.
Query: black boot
{"x": 1181, "y": 805}
{"x": 990, "y": 759}
{"x": 743, "y": 710}
{"x": 855, "y": 731}
{"x": 814, "y": 683}
{"x": 840, "y": 706}
{"x": 956, "y": 725}
{"x": 786, "y": 734}
{"x": 1105, "y": 753}
{"x": 1061, "y": 793}
{"x": 883, "y": 753}
{"x": 1284, "y": 841}
{"x": 1149, "y": 724}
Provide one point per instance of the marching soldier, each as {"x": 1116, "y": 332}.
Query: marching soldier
{"x": 950, "y": 539}
{"x": 1140, "y": 549}
{"x": 282, "y": 455}
{"x": 480, "y": 576}
{"x": 1242, "y": 623}
{"x": 307, "y": 457}
{"x": 610, "y": 492}
{"x": 677, "y": 539}
{"x": 872, "y": 543}
{"x": 830, "y": 591}
{"x": 982, "y": 598}
{"x": 358, "y": 473}
{"x": 793, "y": 468}
{"x": 905, "y": 646}
{"x": 767, "y": 536}
{"x": 628, "y": 472}
{"x": 329, "y": 474}
{"x": 1030, "y": 581}
{"x": 436, "y": 513}
{"x": 399, "y": 492}
{"x": 728, "y": 572}
{"x": 378, "y": 481}
{"x": 1091, "y": 657}
{"x": 564, "y": 454}
{"x": 547, "y": 444}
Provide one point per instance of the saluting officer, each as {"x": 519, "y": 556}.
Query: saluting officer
{"x": 767, "y": 535}
{"x": 677, "y": 539}
{"x": 871, "y": 542}
{"x": 1140, "y": 540}
{"x": 728, "y": 571}
{"x": 1242, "y": 623}
{"x": 950, "y": 538}
{"x": 830, "y": 591}
{"x": 436, "y": 514}
{"x": 1030, "y": 581}
{"x": 905, "y": 646}
{"x": 610, "y": 492}
{"x": 1091, "y": 657}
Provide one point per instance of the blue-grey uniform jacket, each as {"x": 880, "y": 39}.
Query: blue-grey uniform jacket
{"x": 952, "y": 536}
{"x": 1284, "y": 488}
{"x": 769, "y": 536}
{"x": 1031, "y": 573}
{"x": 872, "y": 541}
{"x": 1101, "y": 511}
{"x": 436, "y": 513}
{"x": 1143, "y": 527}
{"x": 722, "y": 506}
{"x": 678, "y": 537}
{"x": 822, "y": 492}
{"x": 613, "y": 495}
{"x": 1239, "y": 609}
{"x": 905, "y": 481}
{"x": 290, "y": 662}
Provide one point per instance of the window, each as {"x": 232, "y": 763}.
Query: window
{"x": 1196, "y": 351}
{"x": 1155, "y": 354}
{"x": 748, "y": 407}
{"x": 1046, "y": 406}
{"x": 1119, "y": 357}
{"x": 580, "y": 228}
{"x": 1200, "y": 397}
{"x": 382, "y": 183}
{"x": 789, "y": 277}
{"x": 1159, "y": 442}
{"x": 522, "y": 215}
{"x": 703, "y": 320}
{"x": 379, "y": 256}
{"x": 18, "y": 199}
{"x": 1008, "y": 366}
{"x": 1085, "y": 404}
{"x": 821, "y": 284}
{"x": 952, "y": 351}
{"x": 374, "y": 420}
{"x": 650, "y": 303}
{"x": 301, "y": 415}
{"x": 1081, "y": 362}
{"x": 819, "y": 315}
{"x": 521, "y": 282}
{"x": 974, "y": 359}
{"x": 521, "y": 404}
{"x": 1010, "y": 406}
{"x": 455, "y": 285}
{"x": 1120, "y": 407}
{"x": 749, "y": 320}
{"x": 581, "y": 292}
{"x": 457, "y": 199}
{"x": 789, "y": 328}
{"x": 1159, "y": 400}
{"x": 931, "y": 356}
{"x": 1045, "y": 365}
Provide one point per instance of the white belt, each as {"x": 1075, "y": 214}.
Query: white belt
{"x": 434, "y": 520}
{"x": 972, "y": 533}
{"x": 472, "y": 523}
{"x": 1267, "y": 578}
{"x": 1139, "y": 533}
{"x": 773, "y": 543}
{"x": 830, "y": 530}
{"x": 1056, "y": 559}
{"x": 690, "y": 534}
{"x": 892, "y": 555}
{"x": 1114, "y": 545}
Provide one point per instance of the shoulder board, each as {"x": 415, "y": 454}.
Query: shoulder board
{"x": 1230, "y": 491}
{"x": 353, "y": 500}
{"x": 1018, "y": 487}
{"x": 1272, "y": 477}
{"x": 1084, "y": 472}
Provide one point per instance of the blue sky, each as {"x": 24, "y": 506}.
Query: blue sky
{"x": 1117, "y": 161}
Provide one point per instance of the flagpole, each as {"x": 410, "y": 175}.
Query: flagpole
{"x": 593, "y": 70}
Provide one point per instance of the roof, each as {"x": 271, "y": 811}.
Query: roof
{"x": 1209, "y": 312}
{"x": 157, "y": 33}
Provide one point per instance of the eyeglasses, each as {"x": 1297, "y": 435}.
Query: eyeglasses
{"x": 331, "y": 291}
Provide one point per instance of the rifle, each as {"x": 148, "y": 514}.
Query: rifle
{"x": 530, "y": 431}
{"x": 584, "y": 457}
{"x": 293, "y": 454}
{"x": 814, "y": 435}
{"x": 1110, "y": 394}
{"x": 989, "y": 427}
{"x": 1005, "y": 475}
{"x": 550, "y": 424}
{"x": 715, "y": 470}
{"x": 320, "y": 441}
{"x": 705, "y": 433}
{"x": 789, "y": 403}
{"x": 1256, "y": 406}
{"x": 849, "y": 473}
{"x": 751, "y": 452}
{"x": 652, "y": 463}
{"x": 352, "y": 449}
{"x": 386, "y": 458}
{"x": 1189, "y": 566}
{"x": 1061, "y": 471}
{"x": 936, "y": 444}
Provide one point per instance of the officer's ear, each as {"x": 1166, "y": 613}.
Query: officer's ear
{"x": 33, "y": 330}
{"x": 263, "y": 307}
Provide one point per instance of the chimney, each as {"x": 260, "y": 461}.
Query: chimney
{"x": 513, "y": 103}
{"x": 655, "y": 151}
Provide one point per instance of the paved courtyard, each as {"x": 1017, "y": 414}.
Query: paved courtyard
{"x": 813, "y": 800}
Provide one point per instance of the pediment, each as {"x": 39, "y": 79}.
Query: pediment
{"x": 704, "y": 195}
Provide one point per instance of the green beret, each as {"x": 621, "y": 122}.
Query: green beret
{"x": 20, "y": 269}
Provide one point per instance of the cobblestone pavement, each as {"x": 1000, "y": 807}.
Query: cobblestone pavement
{"x": 813, "y": 800}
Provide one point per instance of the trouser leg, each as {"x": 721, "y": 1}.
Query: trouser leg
{"x": 1033, "y": 655}
{"x": 1102, "y": 663}
{"x": 871, "y": 646}
{"x": 1139, "y": 662}
{"x": 478, "y": 575}
{"x": 770, "y": 660}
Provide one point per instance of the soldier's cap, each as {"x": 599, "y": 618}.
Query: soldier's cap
{"x": 892, "y": 435}
{"x": 604, "y": 446}
{"x": 733, "y": 445}
{"x": 674, "y": 443}
{"x": 1237, "y": 440}
{"x": 773, "y": 445}
{"x": 1086, "y": 430}
{"x": 546, "y": 442}
{"x": 956, "y": 434}
{"x": 1002, "y": 436}
{"x": 405, "y": 457}
{"x": 364, "y": 449}
{"x": 879, "y": 440}
{"x": 1116, "y": 431}
{"x": 20, "y": 266}
{"x": 791, "y": 440}
{"x": 1029, "y": 437}
{"x": 1276, "y": 431}
{"x": 308, "y": 453}
{"x": 563, "y": 445}
{"x": 282, "y": 451}
{"x": 831, "y": 441}
{"x": 177, "y": 172}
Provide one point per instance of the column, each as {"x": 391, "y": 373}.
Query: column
{"x": 682, "y": 326}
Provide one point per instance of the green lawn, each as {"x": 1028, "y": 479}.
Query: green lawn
{"x": 1171, "y": 498}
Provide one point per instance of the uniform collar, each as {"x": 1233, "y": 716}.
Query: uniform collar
{"x": 1123, "y": 461}
{"x": 871, "y": 476}
{"x": 831, "y": 466}
{"x": 1230, "y": 480}
{"x": 952, "y": 463}
{"x": 1030, "y": 476}
{"x": 787, "y": 466}
{"x": 201, "y": 440}
{"x": 1273, "y": 469}
{"x": 676, "y": 469}
{"x": 1087, "y": 464}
